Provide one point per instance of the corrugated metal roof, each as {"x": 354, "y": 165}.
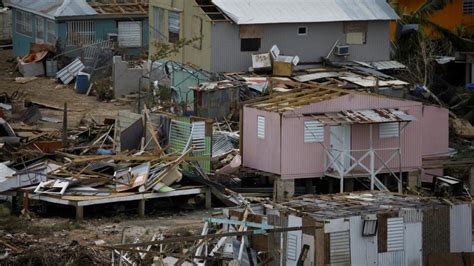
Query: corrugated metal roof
{"x": 53, "y": 8}
{"x": 370, "y": 116}
{"x": 304, "y": 11}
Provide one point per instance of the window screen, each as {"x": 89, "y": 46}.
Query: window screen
{"x": 50, "y": 32}
{"x": 24, "y": 23}
{"x": 39, "y": 29}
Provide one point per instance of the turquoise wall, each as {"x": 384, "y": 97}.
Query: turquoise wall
{"x": 21, "y": 43}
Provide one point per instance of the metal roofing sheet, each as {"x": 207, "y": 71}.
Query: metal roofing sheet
{"x": 54, "y": 8}
{"x": 304, "y": 11}
{"x": 370, "y": 116}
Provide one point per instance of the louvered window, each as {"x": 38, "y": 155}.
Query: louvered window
{"x": 130, "y": 34}
{"x": 198, "y": 136}
{"x": 173, "y": 27}
{"x": 388, "y": 130}
{"x": 313, "y": 131}
{"x": 468, "y": 7}
{"x": 292, "y": 246}
{"x": 261, "y": 127}
{"x": 339, "y": 248}
{"x": 395, "y": 234}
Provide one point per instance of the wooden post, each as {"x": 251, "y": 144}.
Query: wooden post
{"x": 330, "y": 185}
{"x": 208, "y": 198}
{"x": 79, "y": 213}
{"x": 471, "y": 181}
{"x": 65, "y": 126}
{"x": 141, "y": 208}
{"x": 349, "y": 185}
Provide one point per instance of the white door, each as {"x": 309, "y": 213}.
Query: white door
{"x": 340, "y": 141}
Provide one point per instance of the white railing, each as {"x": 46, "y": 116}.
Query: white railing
{"x": 343, "y": 162}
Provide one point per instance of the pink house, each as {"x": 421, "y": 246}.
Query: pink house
{"x": 321, "y": 131}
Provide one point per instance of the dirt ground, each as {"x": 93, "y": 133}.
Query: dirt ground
{"x": 48, "y": 91}
{"x": 60, "y": 233}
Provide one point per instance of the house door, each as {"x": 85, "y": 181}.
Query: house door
{"x": 340, "y": 141}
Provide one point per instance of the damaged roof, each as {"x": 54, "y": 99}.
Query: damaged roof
{"x": 370, "y": 116}
{"x": 289, "y": 101}
{"x": 359, "y": 203}
{"x": 53, "y": 8}
{"x": 304, "y": 11}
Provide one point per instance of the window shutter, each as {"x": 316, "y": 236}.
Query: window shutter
{"x": 130, "y": 34}
{"x": 261, "y": 127}
{"x": 395, "y": 234}
{"x": 198, "y": 136}
{"x": 388, "y": 130}
{"x": 339, "y": 248}
{"x": 313, "y": 131}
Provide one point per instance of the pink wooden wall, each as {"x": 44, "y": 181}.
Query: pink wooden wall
{"x": 301, "y": 160}
{"x": 435, "y": 128}
{"x": 261, "y": 154}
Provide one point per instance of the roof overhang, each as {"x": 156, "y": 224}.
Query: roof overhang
{"x": 369, "y": 116}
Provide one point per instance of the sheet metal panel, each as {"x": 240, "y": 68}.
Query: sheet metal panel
{"x": 363, "y": 248}
{"x": 339, "y": 248}
{"x": 411, "y": 215}
{"x": 394, "y": 258}
{"x": 460, "y": 226}
{"x": 68, "y": 73}
{"x": 413, "y": 244}
{"x": 304, "y": 11}
{"x": 395, "y": 234}
{"x": 54, "y": 8}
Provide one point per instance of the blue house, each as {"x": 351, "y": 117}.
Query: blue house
{"x": 72, "y": 24}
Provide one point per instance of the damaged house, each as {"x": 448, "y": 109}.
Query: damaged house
{"x": 78, "y": 23}
{"x": 318, "y": 131}
{"x": 228, "y": 32}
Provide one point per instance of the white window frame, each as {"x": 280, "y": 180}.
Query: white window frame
{"x": 261, "y": 127}
{"x": 468, "y": 7}
{"x": 39, "y": 29}
{"x": 50, "y": 31}
{"x": 389, "y": 130}
{"x": 158, "y": 20}
{"x": 302, "y": 34}
{"x": 313, "y": 131}
{"x": 80, "y": 32}
{"x": 24, "y": 23}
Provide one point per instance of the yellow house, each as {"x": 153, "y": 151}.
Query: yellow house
{"x": 168, "y": 24}
{"x": 452, "y": 16}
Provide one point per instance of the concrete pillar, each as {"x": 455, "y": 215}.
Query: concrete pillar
{"x": 283, "y": 189}
{"x": 141, "y": 208}
{"x": 79, "y": 213}
{"x": 208, "y": 198}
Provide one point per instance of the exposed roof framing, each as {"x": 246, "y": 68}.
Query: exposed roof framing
{"x": 309, "y": 94}
{"x": 211, "y": 10}
{"x": 122, "y": 7}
